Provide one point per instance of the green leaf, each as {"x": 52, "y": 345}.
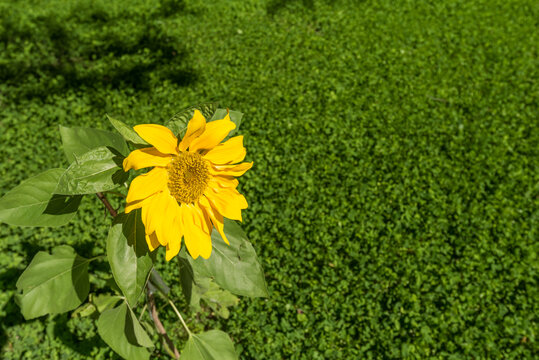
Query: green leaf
{"x": 33, "y": 202}
{"x": 196, "y": 287}
{"x": 97, "y": 170}
{"x": 104, "y": 302}
{"x": 120, "y": 329}
{"x": 128, "y": 133}
{"x": 235, "y": 117}
{"x": 78, "y": 141}
{"x": 84, "y": 310}
{"x": 211, "y": 345}
{"x": 128, "y": 255}
{"x": 178, "y": 123}
{"x": 53, "y": 283}
{"x": 218, "y": 300}
{"x": 234, "y": 267}
{"x": 187, "y": 276}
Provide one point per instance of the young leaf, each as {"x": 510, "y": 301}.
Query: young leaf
{"x": 211, "y": 345}
{"x": 53, "y": 283}
{"x": 196, "y": 287}
{"x": 218, "y": 300}
{"x": 33, "y": 203}
{"x": 104, "y": 302}
{"x": 234, "y": 267}
{"x": 78, "y": 141}
{"x": 235, "y": 117}
{"x": 128, "y": 133}
{"x": 178, "y": 123}
{"x": 97, "y": 170}
{"x": 128, "y": 255}
{"x": 84, "y": 310}
{"x": 120, "y": 329}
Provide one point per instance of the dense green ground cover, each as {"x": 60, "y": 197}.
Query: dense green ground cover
{"x": 394, "y": 197}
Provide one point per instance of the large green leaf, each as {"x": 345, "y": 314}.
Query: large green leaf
{"x": 120, "y": 329}
{"x": 234, "y": 267}
{"x": 235, "y": 117}
{"x": 78, "y": 141}
{"x": 178, "y": 123}
{"x": 53, "y": 283}
{"x": 128, "y": 133}
{"x": 211, "y": 345}
{"x": 97, "y": 170}
{"x": 128, "y": 255}
{"x": 33, "y": 203}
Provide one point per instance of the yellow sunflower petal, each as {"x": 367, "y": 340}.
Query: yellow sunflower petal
{"x": 198, "y": 242}
{"x": 215, "y": 132}
{"x": 147, "y": 184}
{"x": 231, "y": 151}
{"x": 154, "y": 214}
{"x": 195, "y": 127}
{"x": 175, "y": 240}
{"x": 152, "y": 242}
{"x": 230, "y": 170}
{"x": 168, "y": 228}
{"x": 146, "y": 157}
{"x": 227, "y": 202}
{"x": 216, "y": 218}
{"x": 159, "y": 136}
{"x": 225, "y": 181}
{"x": 137, "y": 204}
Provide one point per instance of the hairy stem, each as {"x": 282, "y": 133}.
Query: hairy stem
{"x": 180, "y": 316}
{"x": 107, "y": 204}
{"x": 159, "y": 325}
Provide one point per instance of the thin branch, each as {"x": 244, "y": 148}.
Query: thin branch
{"x": 107, "y": 204}
{"x": 159, "y": 325}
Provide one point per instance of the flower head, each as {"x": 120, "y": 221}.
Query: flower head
{"x": 192, "y": 186}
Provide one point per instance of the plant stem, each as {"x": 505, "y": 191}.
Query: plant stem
{"x": 180, "y": 316}
{"x": 107, "y": 204}
{"x": 142, "y": 312}
{"x": 159, "y": 325}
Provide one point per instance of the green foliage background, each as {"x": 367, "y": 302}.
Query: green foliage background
{"x": 394, "y": 197}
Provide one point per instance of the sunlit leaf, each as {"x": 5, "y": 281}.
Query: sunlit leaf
{"x": 53, "y": 283}
{"x": 128, "y": 133}
{"x": 211, "y": 345}
{"x": 97, "y": 170}
{"x": 120, "y": 329}
{"x": 234, "y": 267}
{"x": 78, "y": 141}
{"x": 33, "y": 202}
{"x": 128, "y": 255}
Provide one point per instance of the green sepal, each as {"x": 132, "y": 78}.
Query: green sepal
{"x": 235, "y": 117}
{"x": 178, "y": 123}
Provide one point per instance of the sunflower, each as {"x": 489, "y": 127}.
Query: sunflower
{"x": 192, "y": 185}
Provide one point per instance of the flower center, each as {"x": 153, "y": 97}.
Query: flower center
{"x": 188, "y": 176}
